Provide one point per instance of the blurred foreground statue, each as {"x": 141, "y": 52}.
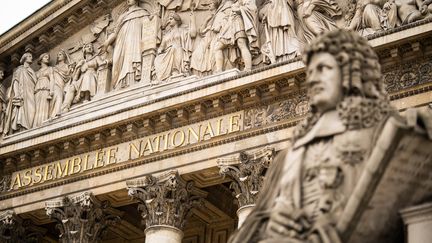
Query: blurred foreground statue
{"x": 354, "y": 162}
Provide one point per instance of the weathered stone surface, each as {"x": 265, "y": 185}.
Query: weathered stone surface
{"x": 81, "y": 218}
{"x": 165, "y": 200}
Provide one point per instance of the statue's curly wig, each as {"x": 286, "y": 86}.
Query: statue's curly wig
{"x": 365, "y": 102}
{"x": 360, "y": 67}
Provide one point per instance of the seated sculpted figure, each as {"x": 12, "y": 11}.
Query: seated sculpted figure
{"x": 368, "y": 17}
{"x": 307, "y": 186}
{"x": 84, "y": 83}
{"x": 317, "y": 16}
{"x": 175, "y": 49}
{"x": 408, "y": 10}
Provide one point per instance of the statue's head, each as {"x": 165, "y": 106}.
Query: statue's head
{"x": 343, "y": 74}
{"x": 62, "y": 56}
{"x": 88, "y": 48}
{"x": 173, "y": 19}
{"x": 341, "y": 63}
{"x": 26, "y": 58}
{"x": 44, "y": 58}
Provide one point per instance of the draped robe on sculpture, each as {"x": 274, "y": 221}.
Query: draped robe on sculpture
{"x": 127, "y": 55}
{"x": 321, "y": 18}
{"x": 21, "y": 104}
{"x": 62, "y": 75}
{"x": 42, "y": 94}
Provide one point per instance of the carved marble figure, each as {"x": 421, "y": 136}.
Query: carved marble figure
{"x": 175, "y": 49}
{"x": 408, "y": 10}
{"x": 368, "y": 17}
{"x": 317, "y": 16}
{"x": 20, "y": 111}
{"x": 128, "y": 46}
{"x": 62, "y": 73}
{"x": 238, "y": 32}
{"x": 279, "y": 19}
{"x": 426, "y": 7}
{"x": 307, "y": 186}
{"x": 42, "y": 90}
{"x": 84, "y": 83}
{"x": 202, "y": 59}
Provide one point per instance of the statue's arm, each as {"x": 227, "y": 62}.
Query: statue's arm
{"x": 192, "y": 27}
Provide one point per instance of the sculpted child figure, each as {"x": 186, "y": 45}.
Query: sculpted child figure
{"x": 307, "y": 186}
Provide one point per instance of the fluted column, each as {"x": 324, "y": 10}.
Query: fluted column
{"x": 247, "y": 172}
{"x": 13, "y": 229}
{"x": 165, "y": 202}
{"x": 82, "y": 218}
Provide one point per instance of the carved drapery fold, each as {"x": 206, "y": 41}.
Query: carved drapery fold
{"x": 166, "y": 199}
{"x": 247, "y": 171}
{"x": 81, "y": 218}
{"x": 13, "y": 229}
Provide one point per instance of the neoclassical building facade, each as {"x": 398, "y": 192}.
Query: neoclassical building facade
{"x": 156, "y": 121}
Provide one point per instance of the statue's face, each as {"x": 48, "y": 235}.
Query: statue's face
{"x": 171, "y": 21}
{"x": 29, "y": 58}
{"x": 131, "y": 2}
{"x": 45, "y": 59}
{"x": 1, "y": 74}
{"x": 88, "y": 48}
{"x": 60, "y": 56}
{"x": 324, "y": 79}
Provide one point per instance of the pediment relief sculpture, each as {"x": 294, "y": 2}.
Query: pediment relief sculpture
{"x": 83, "y": 85}
{"x": 151, "y": 42}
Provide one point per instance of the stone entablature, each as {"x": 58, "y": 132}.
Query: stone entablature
{"x": 218, "y": 102}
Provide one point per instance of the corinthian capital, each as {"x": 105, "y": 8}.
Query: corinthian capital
{"x": 247, "y": 171}
{"x": 13, "y": 229}
{"x": 166, "y": 199}
{"x": 81, "y": 218}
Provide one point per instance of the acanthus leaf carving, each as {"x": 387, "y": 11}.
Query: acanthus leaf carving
{"x": 14, "y": 229}
{"x": 166, "y": 199}
{"x": 81, "y": 218}
{"x": 247, "y": 171}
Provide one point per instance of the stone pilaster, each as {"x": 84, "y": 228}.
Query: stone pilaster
{"x": 81, "y": 218}
{"x": 165, "y": 203}
{"x": 247, "y": 172}
{"x": 418, "y": 221}
{"x": 13, "y": 229}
